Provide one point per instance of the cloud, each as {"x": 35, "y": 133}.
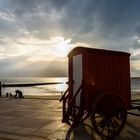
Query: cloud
{"x": 29, "y": 56}
{"x": 46, "y": 68}
{"x": 109, "y": 19}
{"x": 29, "y": 28}
{"x": 7, "y": 16}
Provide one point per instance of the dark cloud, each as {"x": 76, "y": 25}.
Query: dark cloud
{"x": 119, "y": 18}
{"x": 110, "y": 19}
{"x": 110, "y": 24}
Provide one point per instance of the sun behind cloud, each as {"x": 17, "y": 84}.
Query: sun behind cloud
{"x": 40, "y": 49}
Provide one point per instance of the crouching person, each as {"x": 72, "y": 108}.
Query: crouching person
{"x": 19, "y": 94}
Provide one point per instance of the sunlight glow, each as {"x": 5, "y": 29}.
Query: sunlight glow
{"x": 134, "y": 52}
{"x": 34, "y": 49}
{"x": 135, "y": 65}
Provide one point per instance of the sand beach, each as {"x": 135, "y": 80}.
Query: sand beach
{"x": 35, "y": 118}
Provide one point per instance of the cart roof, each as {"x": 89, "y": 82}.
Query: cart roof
{"x": 81, "y": 50}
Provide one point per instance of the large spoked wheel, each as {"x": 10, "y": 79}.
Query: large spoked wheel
{"x": 73, "y": 115}
{"x": 109, "y": 115}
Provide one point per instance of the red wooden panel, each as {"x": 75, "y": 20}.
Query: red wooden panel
{"x": 103, "y": 71}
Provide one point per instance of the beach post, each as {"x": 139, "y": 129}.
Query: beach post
{"x": 0, "y": 89}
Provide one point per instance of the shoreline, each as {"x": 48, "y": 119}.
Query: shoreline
{"x": 48, "y": 97}
{"x": 134, "y": 95}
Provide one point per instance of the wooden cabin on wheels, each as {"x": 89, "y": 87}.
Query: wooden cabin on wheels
{"x": 99, "y": 88}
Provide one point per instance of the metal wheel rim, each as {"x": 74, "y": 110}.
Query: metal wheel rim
{"x": 112, "y": 124}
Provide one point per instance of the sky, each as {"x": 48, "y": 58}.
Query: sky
{"x": 37, "y": 35}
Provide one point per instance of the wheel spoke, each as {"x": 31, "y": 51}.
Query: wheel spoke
{"x": 103, "y": 128}
{"x": 115, "y": 122}
{"x": 108, "y": 129}
{"x": 100, "y": 123}
{"x": 113, "y": 126}
{"x": 110, "y": 119}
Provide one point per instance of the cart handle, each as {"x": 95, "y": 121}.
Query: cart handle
{"x": 62, "y": 98}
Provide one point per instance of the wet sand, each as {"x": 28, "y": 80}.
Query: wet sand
{"x": 40, "y": 119}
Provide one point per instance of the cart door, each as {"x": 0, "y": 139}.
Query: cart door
{"x": 77, "y": 76}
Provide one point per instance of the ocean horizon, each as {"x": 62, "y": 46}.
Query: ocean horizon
{"x": 42, "y": 90}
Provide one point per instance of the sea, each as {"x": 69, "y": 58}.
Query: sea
{"x": 43, "y": 90}
{"x": 135, "y": 85}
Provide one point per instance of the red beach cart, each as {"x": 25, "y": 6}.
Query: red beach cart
{"x": 99, "y": 88}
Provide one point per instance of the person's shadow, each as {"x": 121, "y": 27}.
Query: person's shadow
{"x": 82, "y": 132}
{"x": 85, "y": 132}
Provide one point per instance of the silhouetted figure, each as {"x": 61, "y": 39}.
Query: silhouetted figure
{"x": 11, "y": 95}
{"x": 0, "y": 89}
{"x": 19, "y": 94}
{"x": 7, "y": 94}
